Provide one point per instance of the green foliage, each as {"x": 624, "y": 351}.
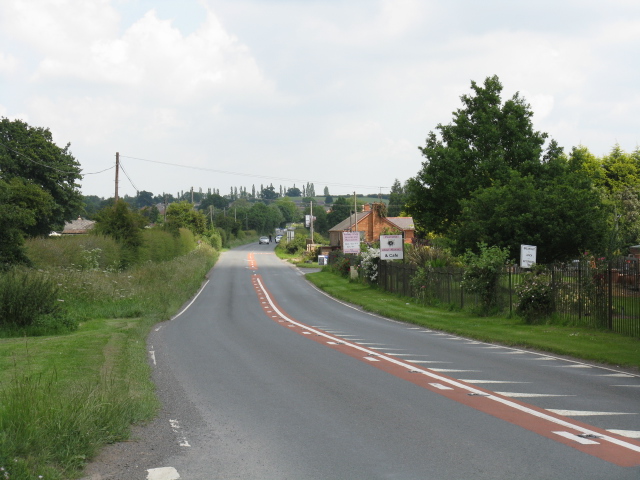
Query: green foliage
{"x": 535, "y": 295}
{"x": 341, "y": 263}
{"x": 296, "y": 246}
{"x": 30, "y": 304}
{"x": 369, "y": 262}
{"x": 21, "y": 205}
{"x": 214, "y": 237}
{"x": 77, "y": 252}
{"x": 560, "y": 212}
{"x": 482, "y": 274}
{"x": 183, "y": 215}
{"x": 28, "y": 153}
{"x": 339, "y": 211}
{"x": 396, "y": 199}
{"x": 289, "y": 209}
{"x": 485, "y": 142}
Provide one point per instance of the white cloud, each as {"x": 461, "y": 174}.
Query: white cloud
{"x": 8, "y": 63}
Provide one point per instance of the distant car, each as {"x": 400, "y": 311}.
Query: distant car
{"x": 264, "y": 240}
{"x": 278, "y": 238}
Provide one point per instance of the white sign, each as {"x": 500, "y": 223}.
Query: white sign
{"x": 391, "y": 247}
{"x": 527, "y": 255}
{"x": 351, "y": 242}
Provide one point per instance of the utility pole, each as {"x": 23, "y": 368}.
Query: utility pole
{"x": 117, "y": 172}
{"x": 311, "y": 219}
{"x": 191, "y": 195}
{"x": 165, "y": 208}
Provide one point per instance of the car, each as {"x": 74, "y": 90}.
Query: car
{"x": 278, "y": 238}
{"x": 264, "y": 240}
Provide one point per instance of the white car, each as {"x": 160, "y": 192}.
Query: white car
{"x": 278, "y": 238}
{"x": 264, "y": 240}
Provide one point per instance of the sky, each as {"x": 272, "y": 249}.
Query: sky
{"x": 215, "y": 94}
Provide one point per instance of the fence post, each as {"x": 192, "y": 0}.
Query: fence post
{"x": 610, "y": 296}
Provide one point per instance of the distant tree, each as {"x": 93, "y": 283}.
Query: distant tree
{"x": 289, "y": 209}
{"x": 124, "y": 225}
{"x": 29, "y": 153}
{"x": 321, "y": 223}
{"x": 269, "y": 193}
{"x": 396, "y": 199}
{"x": 339, "y": 211}
{"x": 182, "y": 215}
{"x": 92, "y": 203}
{"x": 326, "y": 191}
{"x": 328, "y": 200}
{"x": 144, "y": 199}
{"x": 214, "y": 200}
{"x": 294, "y": 192}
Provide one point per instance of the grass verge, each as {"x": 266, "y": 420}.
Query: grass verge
{"x": 63, "y": 397}
{"x": 577, "y": 342}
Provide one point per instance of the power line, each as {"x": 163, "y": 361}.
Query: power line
{"x": 49, "y": 166}
{"x": 267, "y": 177}
{"x": 128, "y": 177}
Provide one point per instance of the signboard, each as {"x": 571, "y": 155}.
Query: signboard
{"x": 528, "y": 255}
{"x": 351, "y": 242}
{"x": 391, "y": 247}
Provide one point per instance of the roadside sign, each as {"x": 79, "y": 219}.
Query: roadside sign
{"x": 527, "y": 255}
{"x": 391, "y": 247}
{"x": 351, "y": 242}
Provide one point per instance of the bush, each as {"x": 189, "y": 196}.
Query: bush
{"x": 29, "y": 304}
{"x": 482, "y": 274}
{"x": 341, "y": 263}
{"x": 535, "y": 296}
{"x": 369, "y": 262}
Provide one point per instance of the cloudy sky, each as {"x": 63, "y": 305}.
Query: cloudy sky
{"x": 222, "y": 93}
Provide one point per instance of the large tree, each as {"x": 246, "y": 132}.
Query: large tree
{"x": 561, "y": 214}
{"x": 486, "y": 140}
{"x": 339, "y": 211}
{"x": 29, "y": 153}
{"x": 21, "y": 204}
{"x": 396, "y": 199}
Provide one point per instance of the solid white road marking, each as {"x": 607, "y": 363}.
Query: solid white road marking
{"x": 164, "y": 473}
{"x": 585, "y": 413}
{"x": 532, "y": 395}
{"x": 191, "y": 302}
{"x": 489, "y": 381}
{"x": 627, "y": 433}
{"x": 153, "y": 356}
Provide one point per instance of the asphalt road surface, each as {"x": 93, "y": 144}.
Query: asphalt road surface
{"x": 262, "y": 376}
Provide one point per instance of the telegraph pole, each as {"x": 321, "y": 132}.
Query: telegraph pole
{"x": 117, "y": 172}
{"x": 311, "y": 219}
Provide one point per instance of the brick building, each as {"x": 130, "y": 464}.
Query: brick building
{"x": 371, "y": 225}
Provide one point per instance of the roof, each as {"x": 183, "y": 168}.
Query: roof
{"x": 403, "y": 223}
{"x": 349, "y": 221}
{"x": 78, "y": 226}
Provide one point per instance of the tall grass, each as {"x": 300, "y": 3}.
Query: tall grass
{"x": 63, "y": 397}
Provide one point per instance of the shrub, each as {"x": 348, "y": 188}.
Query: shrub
{"x": 369, "y": 261}
{"x": 482, "y": 274}
{"x": 30, "y": 304}
{"x": 535, "y": 295}
{"x": 341, "y": 263}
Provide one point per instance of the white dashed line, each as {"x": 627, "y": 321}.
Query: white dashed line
{"x": 585, "y": 413}
{"x": 165, "y": 473}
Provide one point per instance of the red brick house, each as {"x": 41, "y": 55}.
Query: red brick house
{"x": 371, "y": 225}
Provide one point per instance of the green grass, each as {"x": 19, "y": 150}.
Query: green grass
{"x": 63, "y": 397}
{"x": 578, "y": 342}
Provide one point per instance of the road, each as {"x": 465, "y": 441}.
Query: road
{"x": 264, "y": 377}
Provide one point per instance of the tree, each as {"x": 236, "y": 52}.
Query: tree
{"x": 326, "y": 191}
{"x": 182, "y": 215}
{"x": 289, "y": 209}
{"x": 563, "y": 216}
{"x": 125, "y": 226}
{"x": 269, "y": 193}
{"x": 213, "y": 200}
{"x": 29, "y": 153}
{"x": 21, "y": 204}
{"x": 485, "y": 141}
{"x": 144, "y": 199}
{"x": 294, "y": 192}
{"x": 396, "y": 199}
{"x": 339, "y": 211}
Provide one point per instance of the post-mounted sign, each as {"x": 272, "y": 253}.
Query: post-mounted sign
{"x": 351, "y": 242}
{"x": 391, "y": 247}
